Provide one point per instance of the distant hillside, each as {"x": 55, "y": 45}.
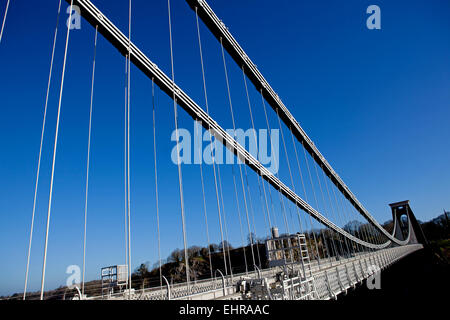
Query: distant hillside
{"x": 437, "y": 228}
{"x": 199, "y": 265}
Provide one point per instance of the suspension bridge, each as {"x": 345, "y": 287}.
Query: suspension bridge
{"x": 318, "y": 256}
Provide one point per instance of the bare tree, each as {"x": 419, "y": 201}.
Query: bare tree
{"x": 175, "y": 256}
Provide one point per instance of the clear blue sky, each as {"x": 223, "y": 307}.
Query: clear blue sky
{"x": 375, "y": 102}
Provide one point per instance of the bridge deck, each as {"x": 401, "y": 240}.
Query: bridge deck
{"x": 331, "y": 277}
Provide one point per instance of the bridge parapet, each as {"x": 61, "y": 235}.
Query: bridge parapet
{"x": 331, "y": 279}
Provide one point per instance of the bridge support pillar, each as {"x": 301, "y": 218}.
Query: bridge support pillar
{"x": 415, "y": 233}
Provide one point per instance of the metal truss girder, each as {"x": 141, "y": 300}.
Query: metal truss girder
{"x": 220, "y": 31}
{"x": 96, "y": 18}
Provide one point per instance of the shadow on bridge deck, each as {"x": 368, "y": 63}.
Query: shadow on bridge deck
{"x": 419, "y": 276}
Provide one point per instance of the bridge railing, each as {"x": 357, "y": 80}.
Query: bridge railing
{"x": 330, "y": 279}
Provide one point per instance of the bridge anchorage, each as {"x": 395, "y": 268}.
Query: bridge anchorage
{"x": 319, "y": 259}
